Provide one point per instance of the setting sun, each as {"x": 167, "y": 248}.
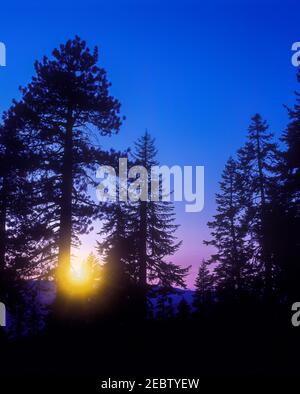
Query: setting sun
{"x": 79, "y": 272}
{"x": 81, "y": 279}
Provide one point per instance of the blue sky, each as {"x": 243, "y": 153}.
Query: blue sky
{"x": 192, "y": 73}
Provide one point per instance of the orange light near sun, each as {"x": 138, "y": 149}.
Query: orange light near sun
{"x": 79, "y": 280}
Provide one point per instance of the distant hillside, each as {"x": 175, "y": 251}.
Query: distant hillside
{"x": 46, "y": 291}
{"x": 41, "y": 294}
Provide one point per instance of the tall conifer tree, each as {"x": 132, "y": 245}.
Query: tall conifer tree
{"x": 233, "y": 271}
{"x": 69, "y": 103}
{"x": 258, "y": 161}
{"x": 204, "y": 287}
{"x": 155, "y": 228}
{"x": 289, "y": 231}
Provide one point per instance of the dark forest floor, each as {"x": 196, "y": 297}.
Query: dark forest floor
{"x": 227, "y": 345}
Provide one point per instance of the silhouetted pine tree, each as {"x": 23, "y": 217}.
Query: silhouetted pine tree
{"x": 23, "y": 237}
{"x": 154, "y": 229}
{"x": 204, "y": 287}
{"x": 12, "y": 180}
{"x": 70, "y": 105}
{"x": 12, "y": 151}
{"x": 289, "y": 227}
{"x": 21, "y": 233}
{"x": 233, "y": 271}
{"x": 258, "y": 160}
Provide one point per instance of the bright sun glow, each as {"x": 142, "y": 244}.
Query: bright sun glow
{"x": 81, "y": 279}
{"x": 79, "y": 272}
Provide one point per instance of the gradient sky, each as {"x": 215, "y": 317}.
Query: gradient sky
{"x": 192, "y": 74}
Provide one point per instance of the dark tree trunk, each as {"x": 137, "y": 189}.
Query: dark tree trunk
{"x": 3, "y": 213}
{"x": 265, "y": 253}
{"x": 143, "y": 245}
{"x": 236, "y": 282}
{"x": 143, "y": 260}
{"x": 65, "y": 235}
